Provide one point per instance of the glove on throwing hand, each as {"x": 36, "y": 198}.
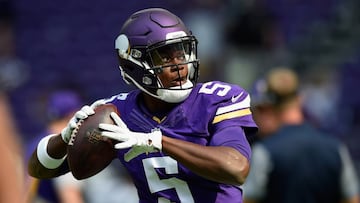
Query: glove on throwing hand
{"x": 83, "y": 113}
{"x": 139, "y": 142}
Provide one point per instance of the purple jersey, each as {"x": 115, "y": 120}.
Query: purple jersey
{"x": 209, "y": 108}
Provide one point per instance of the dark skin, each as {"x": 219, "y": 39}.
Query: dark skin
{"x": 216, "y": 163}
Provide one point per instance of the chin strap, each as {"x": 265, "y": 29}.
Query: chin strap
{"x": 176, "y": 94}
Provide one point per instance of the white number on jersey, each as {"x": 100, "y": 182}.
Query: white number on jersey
{"x": 221, "y": 89}
{"x": 156, "y": 184}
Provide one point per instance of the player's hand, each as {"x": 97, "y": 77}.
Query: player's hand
{"x": 83, "y": 113}
{"x": 139, "y": 142}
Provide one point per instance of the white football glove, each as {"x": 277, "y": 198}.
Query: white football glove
{"x": 139, "y": 142}
{"x": 83, "y": 113}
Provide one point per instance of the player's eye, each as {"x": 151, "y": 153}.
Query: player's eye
{"x": 165, "y": 59}
{"x": 180, "y": 57}
{"x": 173, "y": 53}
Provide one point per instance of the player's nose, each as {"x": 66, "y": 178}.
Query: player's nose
{"x": 177, "y": 67}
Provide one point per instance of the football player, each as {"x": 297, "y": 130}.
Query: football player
{"x": 180, "y": 140}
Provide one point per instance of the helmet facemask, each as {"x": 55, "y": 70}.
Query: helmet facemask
{"x": 142, "y": 66}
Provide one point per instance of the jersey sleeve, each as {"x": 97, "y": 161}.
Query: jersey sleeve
{"x": 230, "y": 122}
{"x": 232, "y": 108}
{"x": 234, "y": 137}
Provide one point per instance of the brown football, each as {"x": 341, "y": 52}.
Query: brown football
{"x": 88, "y": 152}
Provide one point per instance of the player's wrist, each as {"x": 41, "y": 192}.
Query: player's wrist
{"x": 65, "y": 135}
{"x": 44, "y": 158}
{"x": 155, "y": 139}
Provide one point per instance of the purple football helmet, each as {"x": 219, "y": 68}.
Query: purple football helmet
{"x": 141, "y": 45}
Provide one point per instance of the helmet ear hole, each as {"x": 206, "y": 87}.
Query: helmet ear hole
{"x": 122, "y": 44}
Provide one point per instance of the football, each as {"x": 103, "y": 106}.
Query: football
{"x": 88, "y": 152}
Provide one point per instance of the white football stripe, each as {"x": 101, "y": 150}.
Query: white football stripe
{"x": 240, "y": 105}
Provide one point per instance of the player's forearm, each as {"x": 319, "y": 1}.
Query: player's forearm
{"x": 56, "y": 148}
{"x": 220, "y": 164}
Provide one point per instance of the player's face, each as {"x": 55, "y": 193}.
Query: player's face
{"x": 173, "y": 60}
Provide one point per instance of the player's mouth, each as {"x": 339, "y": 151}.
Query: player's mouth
{"x": 179, "y": 81}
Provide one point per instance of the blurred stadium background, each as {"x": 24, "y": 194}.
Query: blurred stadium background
{"x": 61, "y": 44}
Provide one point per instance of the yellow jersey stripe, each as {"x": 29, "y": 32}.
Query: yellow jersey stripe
{"x": 234, "y": 114}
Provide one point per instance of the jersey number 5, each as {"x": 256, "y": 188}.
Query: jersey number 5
{"x": 209, "y": 88}
{"x": 156, "y": 184}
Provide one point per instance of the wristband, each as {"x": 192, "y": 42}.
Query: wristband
{"x": 44, "y": 157}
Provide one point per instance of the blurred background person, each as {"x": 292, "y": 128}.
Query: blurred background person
{"x": 111, "y": 185}
{"x": 292, "y": 161}
{"x": 60, "y": 106}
